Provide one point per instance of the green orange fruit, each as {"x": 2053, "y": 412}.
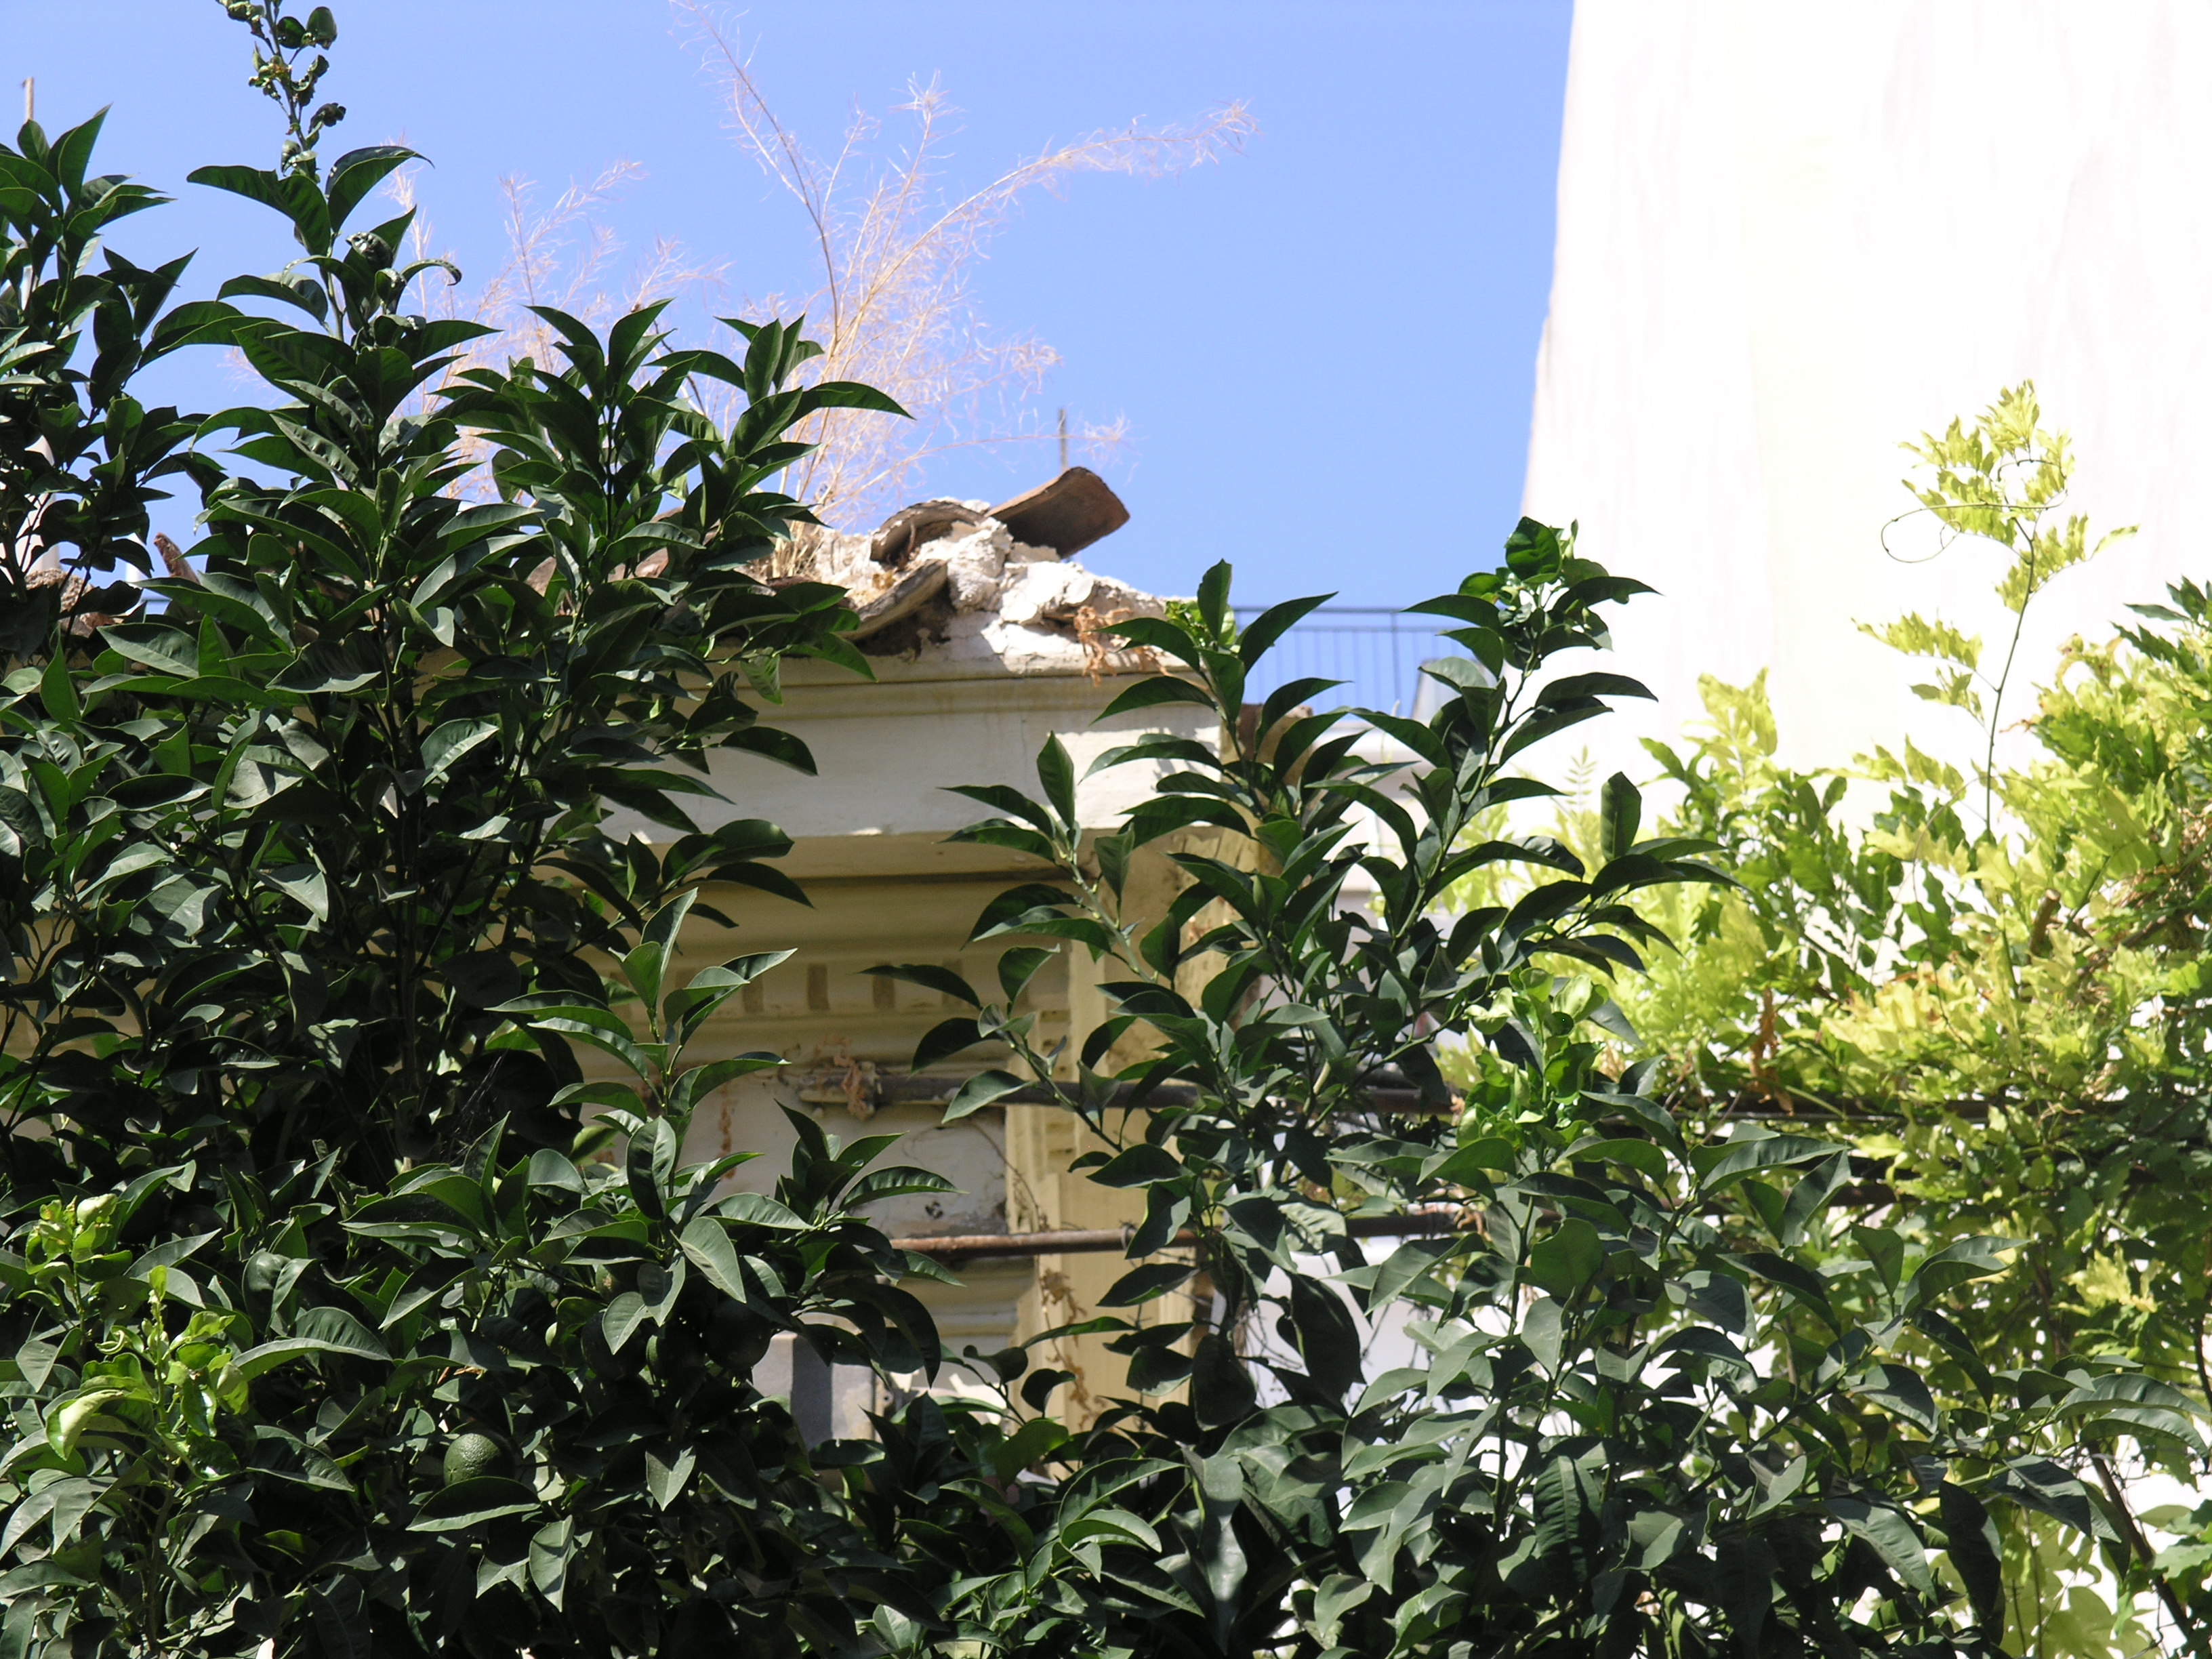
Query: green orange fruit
{"x": 472, "y": 1455}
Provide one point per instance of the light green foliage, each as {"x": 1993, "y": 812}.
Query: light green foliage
{"x": 1916, "y": 636}
{"x": 2001, "y": 482}
{"x": 2008, "y": 1024}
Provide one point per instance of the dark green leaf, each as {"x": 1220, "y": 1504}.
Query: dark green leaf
{"x": 980, "y": 1090}
{"x": 1140, "y": 1166}
{"x": 1142, "y": 1284}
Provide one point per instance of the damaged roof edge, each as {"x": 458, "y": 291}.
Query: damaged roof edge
{"x": 958, "y": 581}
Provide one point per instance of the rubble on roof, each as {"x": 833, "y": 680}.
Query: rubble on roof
{"x": 966, "y": 582}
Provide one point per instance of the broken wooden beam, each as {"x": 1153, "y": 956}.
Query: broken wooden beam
{"x": 1391, "y": 1093}
{"x": 900, "y": 600}
{"x": 1081, "y": 1240}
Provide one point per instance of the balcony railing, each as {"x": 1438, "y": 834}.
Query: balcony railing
{"x": 1376, "y": 652}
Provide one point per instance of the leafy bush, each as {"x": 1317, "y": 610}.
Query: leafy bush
{"x": 506, "y": 1403}
{"x": 1988, "y": 984}
{"x": 294, "y": 1199}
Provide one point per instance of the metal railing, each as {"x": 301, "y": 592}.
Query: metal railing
{"x": 1375, "y": 651}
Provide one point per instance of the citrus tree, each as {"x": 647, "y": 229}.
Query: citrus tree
{"x": 1613, "y": 1423}
{"x": 324, "y": 1328}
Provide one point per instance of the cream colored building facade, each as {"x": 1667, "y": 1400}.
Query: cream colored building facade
{"x": 971, "y": 699}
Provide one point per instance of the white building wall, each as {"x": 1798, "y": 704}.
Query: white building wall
{"x": 1791, "y": 237}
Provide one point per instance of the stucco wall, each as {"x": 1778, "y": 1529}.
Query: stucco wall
{"x": 1791, "y": 237}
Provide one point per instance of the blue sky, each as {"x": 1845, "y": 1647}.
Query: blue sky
{"x": 1324, "y": 348}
